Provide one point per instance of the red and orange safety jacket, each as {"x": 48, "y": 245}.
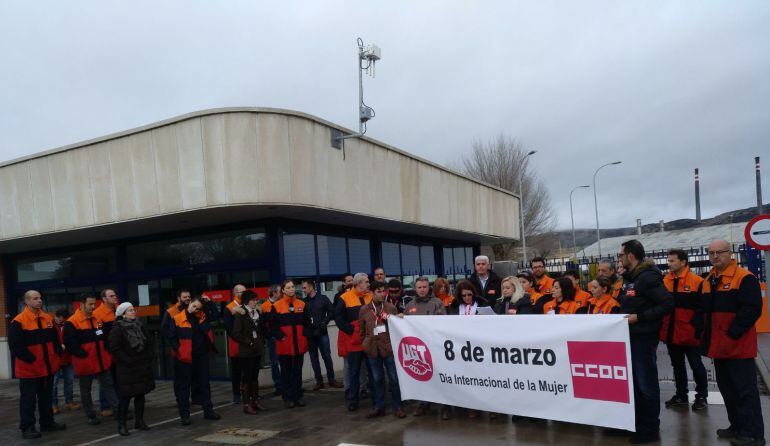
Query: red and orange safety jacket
{"x": 677, "y": 326}
{"x": 85, "y": 339}
{"x": 604, "y": 305}
{"x": 582, "y": 297}
{"x": 229, "y": 321}
{"x": 287, "y": 320}
{"x": 565, "y": 307}
{"x": 731, "y": 303}
{"x": 346, "y": 318}
{"x": 182, "y": 335}
{"x": 34, "y": 343}
{"x": 545, "y": 285}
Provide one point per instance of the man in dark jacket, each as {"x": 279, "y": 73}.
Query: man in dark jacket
{"x": 320, "y": 311}
{"x": 485, "y": 280}
{"x": 645, "y": 300}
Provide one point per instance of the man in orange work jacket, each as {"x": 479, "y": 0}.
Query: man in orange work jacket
{"x": 287, "y": 321}
{"x": 84, "y": 338}
{"x": 236, "y": 362}
{"x": 34, "y": 344}
{"x": 349, "y": 337}
{"x": 543, "y": 282}
{"x": 106, "y": 313}
{"x": 273, "y": 295}
{"x": 678, "y": 332}
{"x": 183, "y": 297}
{"x": 191, "y": 340}
{"x": 730, "y": 305}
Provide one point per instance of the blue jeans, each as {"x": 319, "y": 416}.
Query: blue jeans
{"x": 67, "y": 374}
{"x": 355, "y": 360}
{"x": 275, "y": 368}
{"x": 316, "y": 343}
{"x": 378, "y": 377}
{"x": 646, "y": 385}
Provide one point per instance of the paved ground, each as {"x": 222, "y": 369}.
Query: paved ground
{"x": 326, "y": 422}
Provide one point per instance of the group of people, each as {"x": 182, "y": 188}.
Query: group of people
{"x": 694, "y": 317}
{"x": 107, "y": 344}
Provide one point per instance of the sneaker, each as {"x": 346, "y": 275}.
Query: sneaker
{"x": 53, "y": 427}
{"x": 747, "y": 441}
{"x": 335, "y": 385}
{"x": 56, "y": 410}
{"x": 644, "y": 438}
{"x": 72, "y": 406}
{"x": 185, "y": 421}
{"x": 727, "y": 433}
{"x": 107, "y": 413}
{"x": 30, "y": 433}
{"x": 700, "y": 403}
{"x": 677, "y": 400}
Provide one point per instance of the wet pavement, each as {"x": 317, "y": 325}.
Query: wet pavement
{"x": 325, "y": 421}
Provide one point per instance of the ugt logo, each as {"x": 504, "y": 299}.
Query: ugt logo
{"x": 415, "y": 359}
{"x": 599, "y": 370}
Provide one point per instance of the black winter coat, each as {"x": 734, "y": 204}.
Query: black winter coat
{"x": 521, "y": 306}
{"x": 133, "y": 369}
{"x": 321, "y": 313}
{"x": 492, "y": 291}
{"x": 644, "y": 294}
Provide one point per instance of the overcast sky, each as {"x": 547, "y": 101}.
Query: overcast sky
{"x": 663, "y": 86}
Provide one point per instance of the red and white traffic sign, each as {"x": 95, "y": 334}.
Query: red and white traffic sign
{"x": 757, "y": 232}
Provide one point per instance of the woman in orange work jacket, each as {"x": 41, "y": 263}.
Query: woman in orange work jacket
{"x": 441, "y": 290}
{"x": 287, "y": 320}
{"x": 563, "y": 301}
{"x": 601, "y": 300}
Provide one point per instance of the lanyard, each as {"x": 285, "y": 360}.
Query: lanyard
{"x": 468, "y": 309}
{"x": 378, "y": 315}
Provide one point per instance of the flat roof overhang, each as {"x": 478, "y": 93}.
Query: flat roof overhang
{"x": 231, "y": 214}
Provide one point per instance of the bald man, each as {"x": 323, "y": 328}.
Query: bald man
{"x": 731, "y": 303}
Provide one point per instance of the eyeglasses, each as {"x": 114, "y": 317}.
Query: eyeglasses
{"x": 718, "y": 253}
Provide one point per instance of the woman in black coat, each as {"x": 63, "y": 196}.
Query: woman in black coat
{"x": 132, "y": 354}
{"x": 513, "y": 300}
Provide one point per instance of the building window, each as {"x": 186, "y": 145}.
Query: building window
{"x": 221, "y": 247}
{"x": 332, "y": 258}
{"x": 391, "y": 258}
{"x": 359, "y": 255}
{"x": 93, "y": 262}
{"x": 427, "y": 260}
{"x": 458, "y": 261}
{"x": 299, "y": 254}
{"x": 410, "y": 260}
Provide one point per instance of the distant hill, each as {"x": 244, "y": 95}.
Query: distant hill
{"x": 585, "y": 237}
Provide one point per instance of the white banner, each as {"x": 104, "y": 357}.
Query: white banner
{"x": 574, "y": 368}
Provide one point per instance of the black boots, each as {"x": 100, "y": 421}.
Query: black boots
{"x": 139, "y": 421}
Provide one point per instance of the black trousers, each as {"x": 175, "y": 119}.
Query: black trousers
{"x": 35, "y": 391}
{"x": 138, "y": 407}
{"x": 236, "y": 374}
{"x": 737, "y": 381}
{"x": 251, "y": 374}
{"x": 188, "y": 377}
{"x": 646, "y": 385}
{"x": 291, "y": 376}
{"x": 678, "y": 353}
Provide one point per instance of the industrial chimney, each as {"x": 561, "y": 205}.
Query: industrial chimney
{"x": 759, "y": 186}
{"x": 638, "y": 226}
{"x": 662, "y": 226}
{"x": 697, "y": 196}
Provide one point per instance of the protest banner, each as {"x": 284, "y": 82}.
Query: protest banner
{"x": 574, "y": 368}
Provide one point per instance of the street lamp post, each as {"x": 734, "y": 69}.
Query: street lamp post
{"x": 521, "y": 204}
{"x": 572, "y": 218}
{"x": 596, "y": 207}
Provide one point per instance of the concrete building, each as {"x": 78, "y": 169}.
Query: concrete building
{"x": 239, "y": 195}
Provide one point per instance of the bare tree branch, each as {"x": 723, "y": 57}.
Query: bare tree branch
{"x": 500, "y": 161}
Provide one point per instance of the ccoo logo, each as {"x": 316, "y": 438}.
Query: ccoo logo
{"x": 599, "y": 370}
{"x": 415, "y": 359}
